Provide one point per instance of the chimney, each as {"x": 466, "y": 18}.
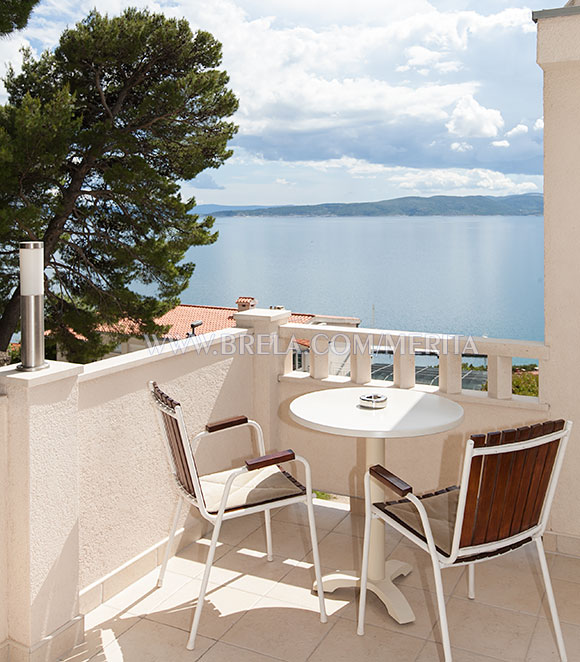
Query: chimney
{"x": 246, "y": 303}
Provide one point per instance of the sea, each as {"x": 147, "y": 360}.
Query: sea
{"x": 472, "y": 275}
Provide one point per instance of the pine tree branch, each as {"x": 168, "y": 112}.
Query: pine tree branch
{"x": 102, "y": 94}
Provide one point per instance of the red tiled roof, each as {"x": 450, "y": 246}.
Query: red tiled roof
{"x": 181, "y": 318}
{"x": 214, "y": 318}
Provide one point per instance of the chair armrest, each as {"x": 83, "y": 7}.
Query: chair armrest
{"x": 398, "y": 485}
{"x": 226, "y": 423}
{"x": 268, "y": 460}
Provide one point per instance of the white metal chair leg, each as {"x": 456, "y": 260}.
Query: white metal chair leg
{"x": 316, "y": 557}
{"x": 442, "y": 611}
{"x": 364, "y": 573}
{"x": 268, "y": 521}
{"x": 176, "y": 516}
{"x": 551, "y": 600}
{"x": 204, "y": 581}
{"x": 471, "y": 581}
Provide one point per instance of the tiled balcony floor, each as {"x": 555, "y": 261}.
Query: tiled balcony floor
{"x": 257, "y": 611}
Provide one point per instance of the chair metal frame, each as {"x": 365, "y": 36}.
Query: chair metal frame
{"x": 190, "y": 448}
{"x": 463, "y": 555}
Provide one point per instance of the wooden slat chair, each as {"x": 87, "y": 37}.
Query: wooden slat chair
{"x": 259, "y": 486}
{"x": 508, "y": 484}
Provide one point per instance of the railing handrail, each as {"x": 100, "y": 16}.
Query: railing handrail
{"x": 425, "y": 341}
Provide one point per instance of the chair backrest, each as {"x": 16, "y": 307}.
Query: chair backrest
{"x": 173, "y": 426}
{"x": 508, "y": 491}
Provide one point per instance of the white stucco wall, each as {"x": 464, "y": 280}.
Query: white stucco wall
{"x": 42, "y": 529}
{"x": 126, "y": 491}
{"x": 559, "y": 56}
{"x": 3, "y": 521}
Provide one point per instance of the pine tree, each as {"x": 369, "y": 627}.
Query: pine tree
{"x": 14, "y": 14}
{"x": 95, "y": 139}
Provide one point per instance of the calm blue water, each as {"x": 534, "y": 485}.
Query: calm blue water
{"x": 470, "y": 275}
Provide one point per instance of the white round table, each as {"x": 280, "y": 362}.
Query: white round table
{"x": 408, "y": 413}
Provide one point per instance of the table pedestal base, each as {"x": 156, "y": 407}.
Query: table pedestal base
{"x": 384, "y": 589}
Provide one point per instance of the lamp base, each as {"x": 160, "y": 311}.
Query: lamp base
{"x": 24, "y": 368}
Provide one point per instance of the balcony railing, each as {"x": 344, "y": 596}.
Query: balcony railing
{"x": 359, "y": 344}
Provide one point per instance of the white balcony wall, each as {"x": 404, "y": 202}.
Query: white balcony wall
{"x": 86, "y": 492}
{"x": 3, "y": 527}
{"x": 126, "y": 489}
{"x": 559, "y": 57}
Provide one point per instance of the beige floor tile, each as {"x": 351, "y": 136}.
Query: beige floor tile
{"x": 278, "y": 628}
{"x": 351, "y": 525}
{"x": 544, "y": 648}
{"x": 339, "y": 552}
{"x": 563, "y": 567}
{"x": 223, "y": 606}
{"x": 354, "y": 525}
{"x": 357, "y": 506}
{"x": 233, "y": 531}
{"x": 262, "y": 611}
{"x": 512, "y": 581}
{"x": 422, "y": 573}
{"x": 221, "y": 652}
{"x": 288, "y": 540}
{"x": 434, "y": 653}
{"x": 567, "y": 601}
{"x": 423, "y": 604}
{"x": 190, "y": 561}
{"x": 153, "y": 642}
{"x": 103, "y": 626}
{"x": 296, "y": 588}
{"x": 326, "y": 517}
{"x": 487, "y": 630}
{"x": 342, "y": 644}
{"x": 249, "y": 570}
{"x": 143, "y": 596}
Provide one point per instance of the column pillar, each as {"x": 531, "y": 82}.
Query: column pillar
{"x": 559, "y": 57}
{"x": 42, "y": 513}
{"x": 268, "y": 362}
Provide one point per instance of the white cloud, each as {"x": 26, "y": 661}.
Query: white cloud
{"x": 501, "y": 143}
{"x": 539, "y": 124}
{"x": 518, "y": 130}
{"x": 428, "y": 179}
{"x": 248, "y": 179}
{"x": 320, "y": 79}
{"x": 283, "y": 182}
{"x": 424, "y": 59}
{"x": 470, "y": 119}
{"x": 205, "y": 181}
{"x": 446, "y": 180}
{"x": 461, "y": 147}
{"x": 10, "y": 54}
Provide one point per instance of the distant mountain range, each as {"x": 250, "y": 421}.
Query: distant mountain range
{"x": 212, "y": 209}
{"x": 529, "y": 204}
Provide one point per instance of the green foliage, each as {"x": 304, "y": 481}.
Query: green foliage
{"x": 525, "y": 383}
{"x": 322, "y": 495}
{"x": 14, "y": 14}
{"x": 470, "y": 366}
{"x": 94, "y": 142}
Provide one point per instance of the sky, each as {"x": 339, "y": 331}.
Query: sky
{"x": 344, "y": 101}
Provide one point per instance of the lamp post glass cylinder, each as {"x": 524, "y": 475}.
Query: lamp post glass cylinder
{"x": 32, "y": 306}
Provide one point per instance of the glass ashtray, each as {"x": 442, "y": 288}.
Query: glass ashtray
{"x": 373, "y": 401}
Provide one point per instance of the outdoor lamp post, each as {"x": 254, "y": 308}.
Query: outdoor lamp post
{"x": 32, "y": 306}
